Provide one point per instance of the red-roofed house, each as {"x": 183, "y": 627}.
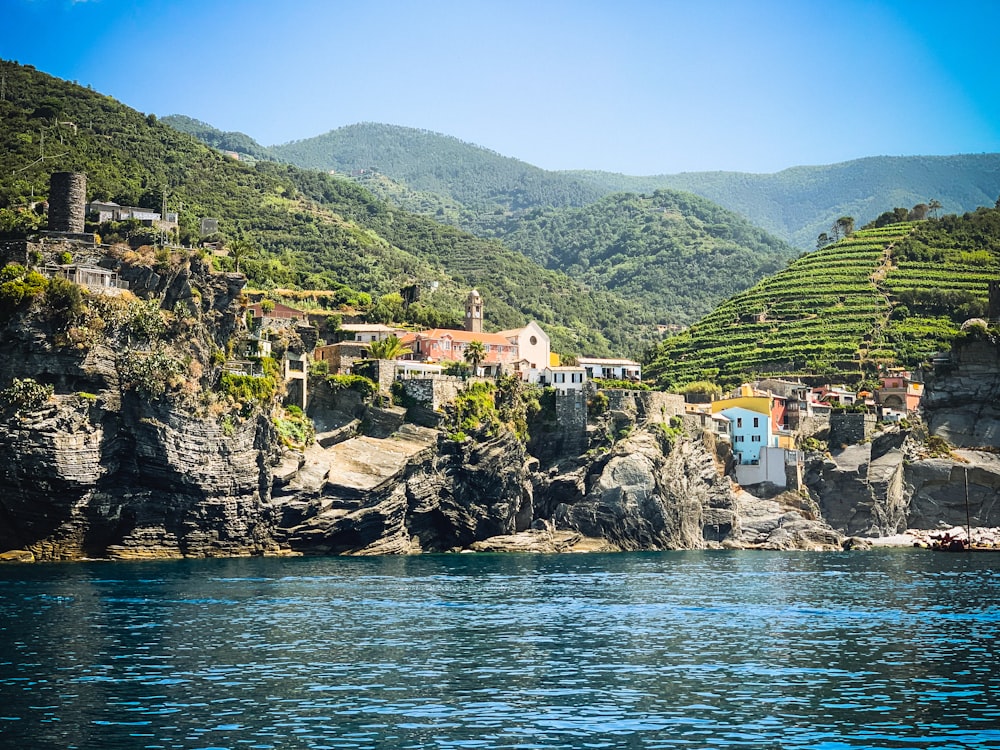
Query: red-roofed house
{"x": 448, "y": 345}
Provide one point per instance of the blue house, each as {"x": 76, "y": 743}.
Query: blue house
{"x": 749, "y": 431}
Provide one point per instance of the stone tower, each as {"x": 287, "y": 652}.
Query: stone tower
{"x": 67, "y": 200}
{"x": 474, "y": 312}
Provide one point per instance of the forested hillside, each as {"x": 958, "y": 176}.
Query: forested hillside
{"x": 311, "y": 230}
{"x": 239, "y": 143}
{"x": 882, "y": 297}
{"x": 796, "y": 205}
{"x": 671, "y": 252}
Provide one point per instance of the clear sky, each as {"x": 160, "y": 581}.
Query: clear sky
{"x": 635, "y": 86}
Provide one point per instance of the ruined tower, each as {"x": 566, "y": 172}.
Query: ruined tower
{"x": 474, "y": 312}
{"x": 67, "y": 199}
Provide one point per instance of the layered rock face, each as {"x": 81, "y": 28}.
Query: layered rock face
{"x": 82, "y": 481}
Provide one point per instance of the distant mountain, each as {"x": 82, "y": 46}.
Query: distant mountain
{"x": 795, "y": 205}
{"x": 800, "y": 203}
{"x": 674, "y": 255}
{"x": 236, "y": 142}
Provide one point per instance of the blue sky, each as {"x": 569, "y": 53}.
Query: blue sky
{"x": 633, "y": 86}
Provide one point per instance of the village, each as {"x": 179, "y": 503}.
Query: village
{"x": 766, "y": 424}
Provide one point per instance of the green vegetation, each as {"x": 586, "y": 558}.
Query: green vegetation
{"x": 388, "y": 348}
{"x": 367, "y": 388}
{"x": 313, "y": 230}
{"x": 491, "y": 407}
{"x": 673, "y": 253}
{"x": 475, "y": 188}
{"x": 295, "y": 428}
{"x": 26, "y": 394}
{"x": 889, "y": 295}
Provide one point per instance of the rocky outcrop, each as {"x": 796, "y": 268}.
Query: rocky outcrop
{"x": 142, "y": 481}
{"x": 642, "y": 494}
{"x": 859, "y": 490}
{"x": 962, "y": 399}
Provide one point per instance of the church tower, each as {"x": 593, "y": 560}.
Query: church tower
{"x": 474, "y": 312}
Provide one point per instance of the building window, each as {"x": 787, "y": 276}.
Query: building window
{"x": 756, "y": 421}
{"x": 739, "y": 421}
{"x": 755, "y": 438}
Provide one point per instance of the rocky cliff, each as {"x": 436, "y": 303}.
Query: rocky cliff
{"x": 112, "y": 465}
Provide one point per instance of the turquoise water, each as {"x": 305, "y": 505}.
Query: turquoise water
{"x": 881, "y": 649}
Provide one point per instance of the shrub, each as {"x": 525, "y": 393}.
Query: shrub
{"x": 26, "y": 394}
{"x": 359, "y": 383}
{"x": 247, "y": 389}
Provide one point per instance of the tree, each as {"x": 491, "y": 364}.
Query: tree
{"x": 475, "y": 352}
{"x": 388, "y": 348}
{"x": 240, "y": 248}
{"x": 934, "y": 205}
{"x": 844, "y": 226}
{"x": 919, "y": 212}
{"x": 822, "y": 241}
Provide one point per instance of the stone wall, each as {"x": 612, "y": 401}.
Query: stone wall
{"x": 571, "y": 418}
{"x": 380, "y": 371}
{"x": 433, "y": 392}
{"x": 645, "y": 406}
{"x": 851, "y": 428}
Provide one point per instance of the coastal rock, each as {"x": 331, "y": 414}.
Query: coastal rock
{"x": 783, "y": 522}
{"x": 860, "y": 489}
{"x": 940, "y": 488}
{"x": 643, "y": 494}
{"x": 145, "y": 481}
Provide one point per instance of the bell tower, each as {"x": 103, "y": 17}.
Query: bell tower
{"x": 474, "y": 312}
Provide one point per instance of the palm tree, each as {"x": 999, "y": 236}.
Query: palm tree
{"x": 934, "y": 206}
{"x": 241, "y": 248}
{"x": 475, "y": 352}
{"x": 388, "y": 348}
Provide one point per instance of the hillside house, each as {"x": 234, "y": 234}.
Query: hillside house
{"x": 367, "y": 332}
{"x": 340, "y": 357}
{"x": 564, "y": 378}
{"x": 611, "y": 369}
{"x": 93, "y": 278}
{"x": 278, "y": 317}
{"x": 900, "y": 392}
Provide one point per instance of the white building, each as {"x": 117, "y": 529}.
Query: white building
{"x": 533, "y": 350}
{"x": 611, "y": 369}
{"x": 367, "y": 332}
{"x": 564, "y": 379}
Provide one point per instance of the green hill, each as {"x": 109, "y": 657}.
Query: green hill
{"x": 671, "y": 252}
{"x": 795, "y": 204}
{"x": 236, "y": 142}
{"x": 313, "y": 230}
{"x": 881, "y": 297}
{"x": 798, "y": 204}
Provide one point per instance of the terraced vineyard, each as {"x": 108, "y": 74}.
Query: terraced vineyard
{"x": 840, "y": 312}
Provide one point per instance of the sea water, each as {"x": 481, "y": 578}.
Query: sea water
{"x": 879, "y": 649}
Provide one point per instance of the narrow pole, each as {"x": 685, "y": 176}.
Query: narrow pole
{"x": 968, "y": 515}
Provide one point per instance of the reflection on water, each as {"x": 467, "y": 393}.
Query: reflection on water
{"x": 887, "y": 649}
